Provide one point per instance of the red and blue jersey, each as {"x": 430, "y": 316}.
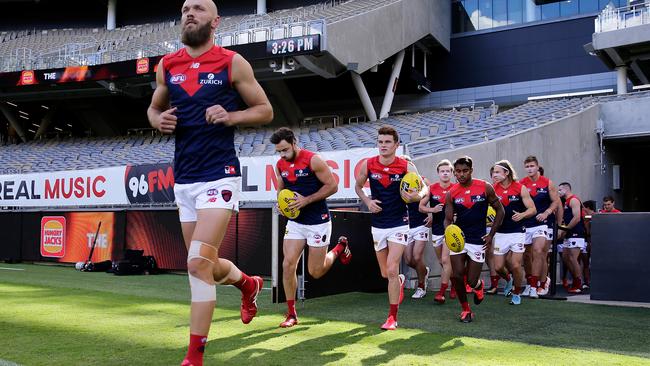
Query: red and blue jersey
{"x": 437, "y": 197}
{"x": 577, "y": 231}
{"x": 204, "y": 152}
{"x": 298, "y": 177}
{"x": 385, "y": 187}
{"x": 470, "y": 206}
{"x": 512, "y": 202}
{"x": 540, "y": 193}
{"x": 416, "y": 218}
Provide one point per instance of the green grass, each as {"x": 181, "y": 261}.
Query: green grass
{"x": 57, "y": 316}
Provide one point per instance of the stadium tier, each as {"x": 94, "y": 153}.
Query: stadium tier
{"x": 422, "y": 133}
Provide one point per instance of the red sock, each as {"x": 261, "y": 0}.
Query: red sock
{"x": 508, "y": 277}
{"x": 245, "y": 284}
{"x": 465, "y": 306}
{"x": 577, "y": 283}
{"x": 517, "y": 290}
{"x": 393, "y": 310}
{"x": 291, "y": 306}
{"x": 532, "y": 281}
{"x": 542, "y": 283}
{"x": 338, "y": 249}
{"x": 443, "y": 287}
{"x": 421, "y": 284}
{"x": 494, "y": 281}
{"x": 196, "y": 348}
{"x": 528, "y": 278}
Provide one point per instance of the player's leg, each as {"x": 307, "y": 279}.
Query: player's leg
{"x": 421, "y": 268}
{"x": 515, "y": 263}
{"x": 291, "y": 250}
{"x": 320, "y": 260}
{"x": 457, "y": 279}
{"x": 442, "y": 253}
{"x": 576, "y": 269}
{"x": 539, "y": 262}
{"x": 395, "y": 283}
{"x": 500, "y": 251}
{"x": 528, "y": 268}
{"x": 585, "y": 254}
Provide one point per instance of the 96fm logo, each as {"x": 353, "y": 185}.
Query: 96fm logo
{"x": 152, "y": 183}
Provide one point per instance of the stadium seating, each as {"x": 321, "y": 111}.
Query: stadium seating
{"x": 54, "y": 48}
{"x": 422, "y": 133}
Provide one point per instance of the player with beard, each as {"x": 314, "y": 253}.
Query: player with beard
{"x": 310, "y": 178}
{"x": 198, "y": 95}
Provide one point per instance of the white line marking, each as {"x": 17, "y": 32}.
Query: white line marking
{"x": 12, "y": 269}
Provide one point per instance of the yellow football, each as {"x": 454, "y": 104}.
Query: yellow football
{"x": 285, "y": 197}
{"x": 454, "y": 238}
{"x": 411, "y": 181}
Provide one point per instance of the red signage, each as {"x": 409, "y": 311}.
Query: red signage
{"x": 53, "y": 236}
{"x": 142, "y": 66}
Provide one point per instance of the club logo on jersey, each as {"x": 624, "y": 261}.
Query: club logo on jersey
{"x": 226, "y": 194}
{"x": 209, "y": 78}
{"x": 478, "y": 198}
{"x": 324, "y": 216}
{"x": 317, "y": 238}
{"x": 230, "y": 169}
{"x": 178, "y": 79}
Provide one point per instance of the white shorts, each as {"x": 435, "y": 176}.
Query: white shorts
{"x": 574, "y": 243}
{"x": 475, "y": 252}
{"x": 316, "y": 235}
{"x": 420, "y": 233}
{"x": 510, "y": 242}
{"x": 222, "y": 193}
{"x": 381, "y": 237}
{"x": 437, "y": 240}
{"x": 536, "y": 232}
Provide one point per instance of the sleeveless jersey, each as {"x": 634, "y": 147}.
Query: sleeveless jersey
{"x": 438, "y": 195}
{"x": 385, "y": 187}
{"x": 470, "y": 205}
{"x": 298, "y": 177}
{"x": 511, "y": 200}
{"x": 416, "y": 218}
{"x": 204, "y": 152}
{"x": 578, "y": 231}
{"x": 539, "y": 192}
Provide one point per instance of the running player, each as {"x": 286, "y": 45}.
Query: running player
{"x": 433, "y": 204}
{"x": 418, "y": 237}
{"x": 469, "y": 199}
{"x": 389, "y": 213}
{"x": 538, "y": 233}
{"x": 573, "y": 233}
{"x": 511, "y": 234}
{"x": 608, "y": 205}
{"x": 197, "y": 97}
{"x": 310, "y": 178}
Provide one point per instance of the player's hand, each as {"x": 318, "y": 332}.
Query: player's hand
{"x": 542, "y": 217}
{"x": 374, "y": 207}
{"x": 487, "y": 241}
{"x": 216, "y": 114}
{"x": 438, "y": 208}
{"x": 428, "y": 221}
{"x": 518, "y": 216}
{"x": 299, "y": 201}
{"x": 166, "y": 121}
{"x": 411, "y": 196}
{"x": 276, "y": 209}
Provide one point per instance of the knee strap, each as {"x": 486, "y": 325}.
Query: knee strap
{"x": 195, "y": 251}
{"x": 202, "y": 291}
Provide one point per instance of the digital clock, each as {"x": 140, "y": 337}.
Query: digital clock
{"x": 293, "y": 45}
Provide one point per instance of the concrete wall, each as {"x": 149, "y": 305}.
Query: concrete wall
{"x": 626, "y": 118}
{"x": 567, "y": 149}
{"x": 377, "y": 35}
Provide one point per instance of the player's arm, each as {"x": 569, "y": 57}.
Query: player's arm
{"x": 528, "y": 203}
{"x": 493, "y": 201}
{"x": 449, "y": 210}
{"x": 161, "y": 116}
{"x": 324, "y": 174}
{"x": 259, "y": 109}
{"x": 555, "y": 202}
{"x": 574, "y": 206}
{"x": 373, "y": 205}
{"x": 424, "y": 203}
{"x": 279, "y": 179}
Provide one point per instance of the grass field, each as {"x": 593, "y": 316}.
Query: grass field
{"x": 57, "y": 316}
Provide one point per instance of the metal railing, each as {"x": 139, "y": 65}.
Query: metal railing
{"x": 611, "y": 18}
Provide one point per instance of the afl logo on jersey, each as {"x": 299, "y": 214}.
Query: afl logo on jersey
{"x": 284, "y": 174}
{"x": 375, "y": 176}
{"x": 177, "y": 79}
